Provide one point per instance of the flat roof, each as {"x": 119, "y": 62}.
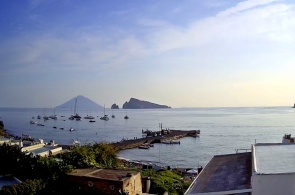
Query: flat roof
{"x": 224, "y": 173}
{"x": 43, "y": 149}
{"x": 4, "y": 139}
{"x": 108, "y": 174}
{"x": 274, "y": 158}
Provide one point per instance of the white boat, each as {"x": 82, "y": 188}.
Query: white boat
{"x": 76, "y": 115}
{"x": 76, "y": 143}
{"x": 71, "y": 129}
{"x": 89, "y": 117}
{"x": 33, "y": 122}
{"x": 105, "y": 116}
{"x": 143, "y": 147}
{"x": 170, "y": 141}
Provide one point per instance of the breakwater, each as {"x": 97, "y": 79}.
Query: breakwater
{"x": 157, "y": 138}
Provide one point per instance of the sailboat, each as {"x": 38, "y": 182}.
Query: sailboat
{"x": 126, "y": 116}
{"x": 89, "y": 116}
{"x": 105, "y": 117}
{"x": 76, "y": 116}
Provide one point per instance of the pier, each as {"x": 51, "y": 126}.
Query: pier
{"x": 156, "y": 138}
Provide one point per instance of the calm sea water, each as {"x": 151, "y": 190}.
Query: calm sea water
{"x": 223, "y": 130}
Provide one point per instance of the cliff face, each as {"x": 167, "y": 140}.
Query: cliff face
{"x": 140, "y": 104}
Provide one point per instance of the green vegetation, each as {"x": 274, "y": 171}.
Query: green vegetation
{"x": 166, "y": 181}
{"x": 98, "y": 155}
{"x": 47, "y": 175}
{"x": 27, "y": 187}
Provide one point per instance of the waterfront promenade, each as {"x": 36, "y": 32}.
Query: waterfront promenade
{"x": 171, "y": 135}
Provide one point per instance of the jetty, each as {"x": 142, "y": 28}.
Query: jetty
{"x": 155, "y": 137}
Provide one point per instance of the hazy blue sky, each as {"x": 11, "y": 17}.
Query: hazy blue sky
{"x": 191, "y": 53}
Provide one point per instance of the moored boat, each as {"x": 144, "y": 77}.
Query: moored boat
{"x": 144, "y": 147}
{"x": 105, "y": 117}
{"x": 33, "y": 122}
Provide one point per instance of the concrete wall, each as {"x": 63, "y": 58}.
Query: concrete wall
{"x": 43, "y": 154}
{"x": 133, "y": 185}
{"x": 84, "y": 184}
{"x": 93, "y": 185}
{"x": 55, "y": 150}
{"x": 273, "y": 184}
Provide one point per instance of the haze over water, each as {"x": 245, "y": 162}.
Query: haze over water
{"x": 222, "y": 130}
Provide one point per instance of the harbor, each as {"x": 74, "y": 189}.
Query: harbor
{"x": 155, "y": 137}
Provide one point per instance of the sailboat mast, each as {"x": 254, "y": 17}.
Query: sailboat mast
{"x": 75, "y": 106}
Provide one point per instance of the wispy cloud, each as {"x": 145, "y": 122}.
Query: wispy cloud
{"x": 246, "y": 5}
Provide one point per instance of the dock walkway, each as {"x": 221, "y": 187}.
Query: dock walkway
{"x": 173, "y": 134}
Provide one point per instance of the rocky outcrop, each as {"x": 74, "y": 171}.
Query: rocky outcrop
{"x": 140, "y": 104}
{"x": 115, "y": 106}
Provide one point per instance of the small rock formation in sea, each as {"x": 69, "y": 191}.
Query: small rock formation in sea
{"x": 140, "y": 104}
{"x": 115, "y": 106}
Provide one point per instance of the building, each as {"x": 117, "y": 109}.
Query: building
{"x": 269, "y": 169}
{"x": 105, "y": 181}
{"x": 224, "y": 174}
{"x": 40, "y": 149}
{"x": 4, "y": 140}
{"x": 273, "y": 169}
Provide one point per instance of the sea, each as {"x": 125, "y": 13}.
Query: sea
{"x": 223, "y": 130}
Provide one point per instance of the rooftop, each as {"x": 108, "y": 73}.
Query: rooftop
{"x": 41, "y": 149}
{"x": 274, "y": 158}
{"x": 108, "y": 174}
{"x": 224, "y": 173}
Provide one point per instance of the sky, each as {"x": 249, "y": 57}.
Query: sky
{"x": 191, "y": 53}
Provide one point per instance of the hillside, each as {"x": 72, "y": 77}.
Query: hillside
{"x": 83, "y": 103}
{"x": 140, "y": 104}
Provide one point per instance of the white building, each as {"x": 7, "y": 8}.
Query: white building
{"x": 269, "y": 169}
{"x": 273, "y": 169}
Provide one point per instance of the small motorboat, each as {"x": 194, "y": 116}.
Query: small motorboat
{"x": 71, "y": 129}
{"x": 144, "y": 147}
